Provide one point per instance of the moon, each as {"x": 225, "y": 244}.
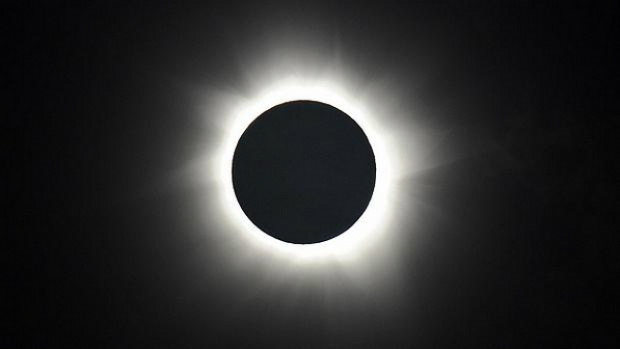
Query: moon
{"x": 303, "y": 172}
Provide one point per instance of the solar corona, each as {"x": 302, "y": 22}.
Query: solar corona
{"x": 305, "y": 163}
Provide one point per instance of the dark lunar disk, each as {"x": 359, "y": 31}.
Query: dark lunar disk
{"x": 303, "y": 172}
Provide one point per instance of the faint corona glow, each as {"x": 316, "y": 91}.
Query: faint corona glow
{"x": 230, "y": 113}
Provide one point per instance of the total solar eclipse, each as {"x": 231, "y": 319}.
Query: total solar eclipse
{"x": 303, "y": 172}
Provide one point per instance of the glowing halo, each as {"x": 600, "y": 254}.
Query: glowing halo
{"x": 365, "y": 230}
{"x": 374, "y": 108}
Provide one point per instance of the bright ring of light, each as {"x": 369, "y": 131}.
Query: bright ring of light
{"x": 373, "y": 223}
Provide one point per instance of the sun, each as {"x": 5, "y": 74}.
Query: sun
{"x": 372, "y": 222}
{"x": 228, "y": 114}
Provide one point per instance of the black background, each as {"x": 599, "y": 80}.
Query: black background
{"x": 519, "y": 248}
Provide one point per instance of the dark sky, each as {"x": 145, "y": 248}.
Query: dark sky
{"x": 519, "y": 230}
